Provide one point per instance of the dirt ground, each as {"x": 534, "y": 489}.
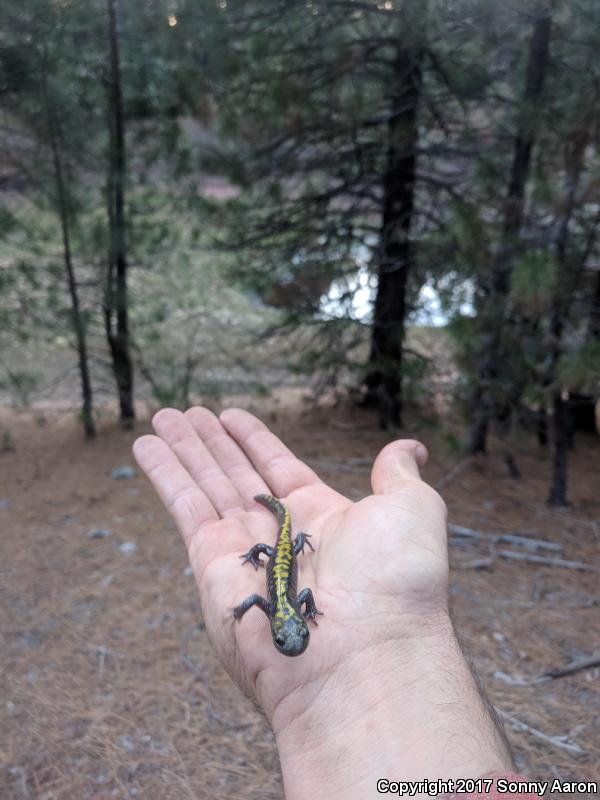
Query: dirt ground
{"x": 109, "y": 687}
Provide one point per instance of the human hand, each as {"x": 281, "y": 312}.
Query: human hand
{"x": 375, "y": 562}
{"x": 379, "y": 571}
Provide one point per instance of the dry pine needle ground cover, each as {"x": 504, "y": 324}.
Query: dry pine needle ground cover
{"x": 109, "y": 688}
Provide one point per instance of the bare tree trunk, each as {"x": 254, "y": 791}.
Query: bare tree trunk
{"x": 87, "y": 415}
{"x": 116, "y": 301}
{"x": 489, "y": 372}
{"x": 594, "y": 321}
{"x": 566, "y": 285}
{"x": 560, "y": 451}
{"x": 384, "y": 380}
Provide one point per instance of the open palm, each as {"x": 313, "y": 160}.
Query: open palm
{"x": 378, "y": 563}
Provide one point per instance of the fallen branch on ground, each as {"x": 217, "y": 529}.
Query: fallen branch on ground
{"x": 460, "y": 530}
{"x": 574, "y": 666}
{"x": 528, "y": 542}
{"x": 510, "y": 538}
{"x": 460, "y": 467}
{"x": 478, "y": 563}
{"x": 568, "y": 669}
{"x": 531, "y": 558}
{"x": 562, "y": 742}
{"x": 512, "y": 555}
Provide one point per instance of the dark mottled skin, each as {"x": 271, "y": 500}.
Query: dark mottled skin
{"x": 283, "y": 606}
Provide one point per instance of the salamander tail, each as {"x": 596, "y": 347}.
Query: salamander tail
{"x": 273, "y": 504}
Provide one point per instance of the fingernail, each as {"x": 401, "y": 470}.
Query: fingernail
{"x": 420, "y": 455}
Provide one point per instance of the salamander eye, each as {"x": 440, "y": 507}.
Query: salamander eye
{"x": 280, "y": 640}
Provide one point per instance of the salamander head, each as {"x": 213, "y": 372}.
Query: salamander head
{"x": 290, "y": 634}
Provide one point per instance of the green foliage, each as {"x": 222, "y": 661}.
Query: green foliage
{"x": 415, "y": 371}
{"x": 286, "y": 107}
{"x": 579, "y": 370}
{"x": 534, "y": 282}
{"x": 453, "y": 443}
{"x": 188, "y": 322}
{"x": 19, "y": 384}
{"x": 464, "y": 334}
{"x": 472, "y": 237}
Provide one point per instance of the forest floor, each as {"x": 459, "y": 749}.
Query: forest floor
{"x": 109, "y": 687}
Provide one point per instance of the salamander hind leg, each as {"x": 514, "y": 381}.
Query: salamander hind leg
{"x": 253, "y": 600}
{"x": 306, "y": 598}
{"x": 252, "y": 556}
{"x": 299, "y": 542}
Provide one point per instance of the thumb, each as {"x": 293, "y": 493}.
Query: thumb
{"x": 397, "y": 464}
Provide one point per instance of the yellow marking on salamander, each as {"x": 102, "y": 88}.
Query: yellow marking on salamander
{"x": 282, "y": 567}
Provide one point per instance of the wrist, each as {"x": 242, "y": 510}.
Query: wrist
{"x": 401, "y": 709}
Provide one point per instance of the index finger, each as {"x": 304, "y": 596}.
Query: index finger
{"x": 184, "y": 500}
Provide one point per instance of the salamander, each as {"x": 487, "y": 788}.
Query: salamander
{"x": 283, "y": 606}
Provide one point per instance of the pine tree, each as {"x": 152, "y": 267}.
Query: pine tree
{"x": 116, "y": 306}
{"x": 326, "y": 129}
{"x": 491, "y": 371}
{"x": 395, "y": 248}
{"x": 43, "y": 105}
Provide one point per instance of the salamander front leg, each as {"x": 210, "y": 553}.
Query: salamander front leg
{"x": 252, "y": 556}
{"x": 299, "y": 542}
{"x": 253, "y": 600}
{"x": 310, "y": 609}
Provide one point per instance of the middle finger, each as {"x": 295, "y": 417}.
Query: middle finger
{"x": 228, "y": 454}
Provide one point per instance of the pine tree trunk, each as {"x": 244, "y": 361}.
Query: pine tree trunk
{"x": 541, "y": 419}
{"x": 559, "y": 419}
{"x": 117, "y": 292}
{"x": 594, "y": 321}
{"x": 567, "y": 283}
{"x": 560, "y": 450}
{"x": 491, "y": 358}
{"x": 87, "y": 415}
{"x": 384, "y": 380}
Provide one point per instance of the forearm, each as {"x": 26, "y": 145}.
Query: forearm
{"x": 405, "y": 709}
